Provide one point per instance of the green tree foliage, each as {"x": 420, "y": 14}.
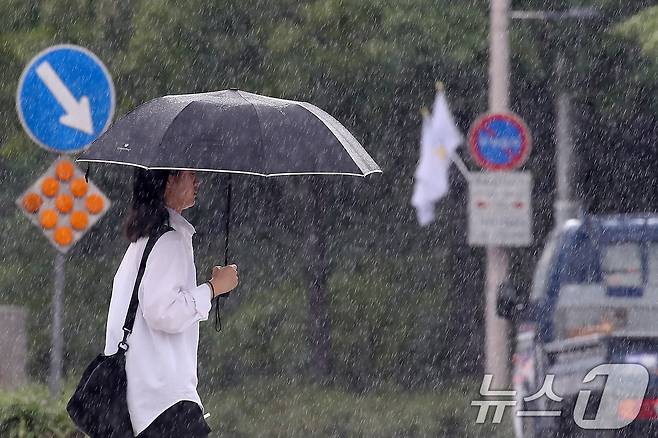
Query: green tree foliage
{"x": 265, "y": 338}
{"x": 385, "y": 331}
{"x": 372, "y": 64}
{"x": 643, "y": 27}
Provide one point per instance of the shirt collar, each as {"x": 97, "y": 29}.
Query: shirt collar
{"x": 178, "y": 222}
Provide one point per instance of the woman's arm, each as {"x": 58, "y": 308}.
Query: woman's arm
{"x": 165, "y": 302}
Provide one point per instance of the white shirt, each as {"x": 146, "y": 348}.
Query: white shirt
{"x": 161, "y": 362}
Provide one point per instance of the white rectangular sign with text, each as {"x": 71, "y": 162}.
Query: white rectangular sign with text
{"x": 500, "y": 209}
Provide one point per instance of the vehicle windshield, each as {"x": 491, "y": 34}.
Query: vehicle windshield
{"x": 621, "y": 265}
{"x": 607, "y": 287}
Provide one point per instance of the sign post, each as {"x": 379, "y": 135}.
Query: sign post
{"x": 499, "y": 205}
{"x": 56, "y": 332}
{"x": 65, "y": 100}
{"x": 64, "y": 206}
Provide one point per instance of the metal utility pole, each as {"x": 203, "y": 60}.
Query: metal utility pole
{"x": 565, "y": 206}
{"x": 497, "y": 329}
{"x": 497, "y": 358}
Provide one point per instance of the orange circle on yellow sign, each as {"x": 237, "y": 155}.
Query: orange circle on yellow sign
{"x": 94, "y": 204}
{"x": 64, "y": 170}
{"x": 79, "y": 187}
{"x": 49, "y": 219}
{"x": 79, "y": 220}
{"x": 64, "y": 203}
{"x": 32, "y": 202}
{"x": 63, "y": 236}
{"x": 49, "y": 186}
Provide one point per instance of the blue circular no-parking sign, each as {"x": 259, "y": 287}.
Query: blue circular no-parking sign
{"x": 500, "y": 141}
{"x": 65, "y": 98}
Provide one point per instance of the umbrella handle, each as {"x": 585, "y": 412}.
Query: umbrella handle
{"x": 228, "y": 219}
{"x": 218, "y": 322}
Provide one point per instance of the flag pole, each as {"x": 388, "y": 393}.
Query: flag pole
{"x": 461, "y": 166}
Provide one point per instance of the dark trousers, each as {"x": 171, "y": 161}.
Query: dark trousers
{"x": 182, "y": 420}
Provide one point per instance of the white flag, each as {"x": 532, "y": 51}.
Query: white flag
{"x": 439, "y": 139}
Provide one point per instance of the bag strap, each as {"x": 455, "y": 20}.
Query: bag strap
{"x": 134, "y": 300}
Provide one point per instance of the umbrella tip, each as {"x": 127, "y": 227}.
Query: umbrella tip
{"x": 233, "y": 89}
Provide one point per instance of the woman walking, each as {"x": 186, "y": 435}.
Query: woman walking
{"x": 161, "y": 363}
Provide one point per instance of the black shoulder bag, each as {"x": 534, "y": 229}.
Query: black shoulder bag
{"x": 99, "y": 407}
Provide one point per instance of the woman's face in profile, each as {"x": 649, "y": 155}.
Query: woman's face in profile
{"x": 181, "y": 190}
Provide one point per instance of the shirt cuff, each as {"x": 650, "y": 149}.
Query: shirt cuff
{"x": 202, "y": 302}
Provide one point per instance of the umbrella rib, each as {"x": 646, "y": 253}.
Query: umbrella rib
{"x": 91, "y": 160}
{"x": 164, "y": 134}
{"x": 358, "y": 154}
{"x": 260, "y": 126}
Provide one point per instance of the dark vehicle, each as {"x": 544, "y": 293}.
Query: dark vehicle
{"x": 594, "y": 300}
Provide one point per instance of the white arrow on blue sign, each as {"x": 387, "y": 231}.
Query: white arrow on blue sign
{"x": 65, "y": 98}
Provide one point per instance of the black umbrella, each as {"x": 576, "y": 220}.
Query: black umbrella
{"x": 232, "y": 131}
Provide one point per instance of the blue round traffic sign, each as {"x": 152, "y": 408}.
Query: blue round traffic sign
{"x": 500, "y": 141}
{"x": 65, "y": 98}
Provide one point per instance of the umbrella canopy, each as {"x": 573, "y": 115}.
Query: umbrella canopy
{"x": 232, "y": 131}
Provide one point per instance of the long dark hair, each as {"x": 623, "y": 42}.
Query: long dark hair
{"x": 148, "y": 211}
